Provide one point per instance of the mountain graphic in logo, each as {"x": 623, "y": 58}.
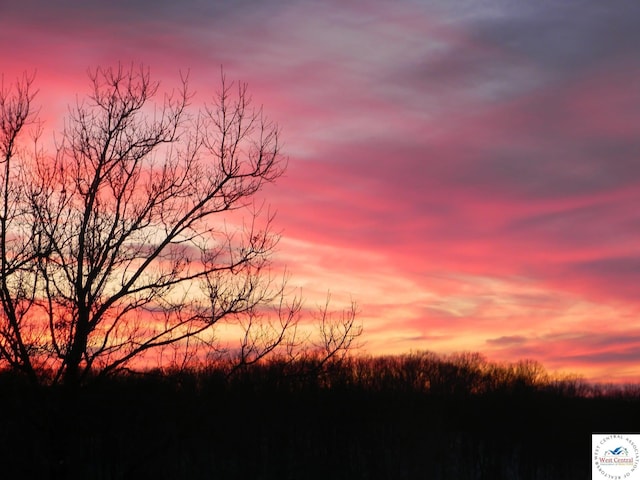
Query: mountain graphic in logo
{"x": 617, "y": 451}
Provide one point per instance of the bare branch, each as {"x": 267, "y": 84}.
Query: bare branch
{"x": 142, "y": 231}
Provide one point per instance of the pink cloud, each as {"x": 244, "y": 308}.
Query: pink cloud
{"x": 468, "y": 184}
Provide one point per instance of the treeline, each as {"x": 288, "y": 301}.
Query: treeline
{"x": 398, "y": 417}
{"x": 425, "y": 373}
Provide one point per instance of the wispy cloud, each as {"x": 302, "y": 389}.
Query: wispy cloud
{"x": 467, "y": 171}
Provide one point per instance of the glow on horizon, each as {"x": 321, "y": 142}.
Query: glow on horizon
{"x": 468, "y": 176}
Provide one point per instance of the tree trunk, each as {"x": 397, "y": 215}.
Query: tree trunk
{"x": 72, "y": 371}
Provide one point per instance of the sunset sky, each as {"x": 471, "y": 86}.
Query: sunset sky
{"x": 468, "y": 171}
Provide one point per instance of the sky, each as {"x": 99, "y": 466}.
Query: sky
{"x": 467, "y": 171}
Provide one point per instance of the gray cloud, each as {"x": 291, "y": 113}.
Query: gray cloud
{"x": 629, "y": 356}
{"x": 560, "y": 37}
{"x": 509, "y": 340}
{"x": 624, "y": 271}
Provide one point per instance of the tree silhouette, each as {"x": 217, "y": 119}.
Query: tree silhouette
{"x": 21, "y": 240}
{"x": 127, "y": 241}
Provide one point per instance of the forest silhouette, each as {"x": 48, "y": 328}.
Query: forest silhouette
{"x": 121, "y": 243}
{"x": 418, "y": 415}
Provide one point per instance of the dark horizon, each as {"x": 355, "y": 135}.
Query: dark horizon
{"x": 399, "y": 417}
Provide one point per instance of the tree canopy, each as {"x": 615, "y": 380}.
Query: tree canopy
{"x": 124, "y": 240}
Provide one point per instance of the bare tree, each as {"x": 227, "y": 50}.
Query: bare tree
{"x": 133, "y": 242}
{"x": 314, "y": 347}
{"x": 20, "y": 237}
{"x": 336, "y": 335}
